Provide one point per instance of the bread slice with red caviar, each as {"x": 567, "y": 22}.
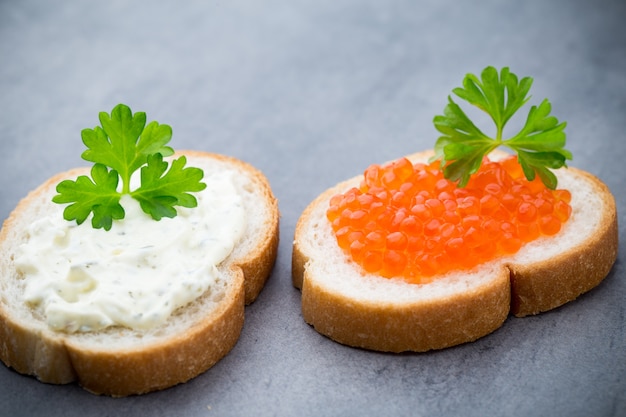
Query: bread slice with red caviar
{"x": 119, "y": 361}
{"x": 364, "y": 309}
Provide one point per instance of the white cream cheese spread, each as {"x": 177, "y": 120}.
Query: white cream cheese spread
{"x": 135, "y": 275}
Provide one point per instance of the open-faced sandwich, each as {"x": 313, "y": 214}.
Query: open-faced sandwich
{"x": 151, "y": 291}
{"x": 437, "y": 248}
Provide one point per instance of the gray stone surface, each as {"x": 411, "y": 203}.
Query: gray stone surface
{"x": 311, "y": 92}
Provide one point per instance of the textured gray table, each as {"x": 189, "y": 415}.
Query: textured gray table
{"x": 311, "y": 93}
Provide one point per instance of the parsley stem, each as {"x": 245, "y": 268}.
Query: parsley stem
{"x": 125, "y": 185}
{"x": 499, "y": 134}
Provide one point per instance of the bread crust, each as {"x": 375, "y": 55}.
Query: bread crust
{"x": 417, "y": 326}
{"x": 545, "y": 285}
{"x": 158, "y": 362}
{"x": 463, "y": 316}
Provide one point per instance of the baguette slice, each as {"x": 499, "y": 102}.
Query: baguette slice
{"x": 368, "y": 311}
{"x": 119, "y": 361}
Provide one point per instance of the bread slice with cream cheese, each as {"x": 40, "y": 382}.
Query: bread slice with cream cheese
{"x": 365, "y": 310}
{"x": 120, "y": 361}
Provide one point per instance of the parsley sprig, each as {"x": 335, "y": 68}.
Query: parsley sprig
{"x": 118, "y": 148}
{"x": 539, "y": 144}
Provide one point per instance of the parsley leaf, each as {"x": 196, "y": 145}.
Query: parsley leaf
{"x": 125, "y": 144}
{"x": 98, "y": 194}
{"x": 124, "y": 141}
{"x": 161, "y": 190}
{"x": 462, "y": 146}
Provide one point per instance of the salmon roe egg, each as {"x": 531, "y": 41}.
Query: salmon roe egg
{"x": 406, "y": 220}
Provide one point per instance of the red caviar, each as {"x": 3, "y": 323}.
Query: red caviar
{"x": 407, "y": 220}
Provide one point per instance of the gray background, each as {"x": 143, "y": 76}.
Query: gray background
{"x": 311, "y": 92}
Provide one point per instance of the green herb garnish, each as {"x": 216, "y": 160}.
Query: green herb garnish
{"x": 539, "y": 144}
{"x": 121, "y": 146}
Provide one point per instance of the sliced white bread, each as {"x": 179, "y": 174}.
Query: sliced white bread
{"x": 120, "y": 361}
{"x": 365, "y": 310}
